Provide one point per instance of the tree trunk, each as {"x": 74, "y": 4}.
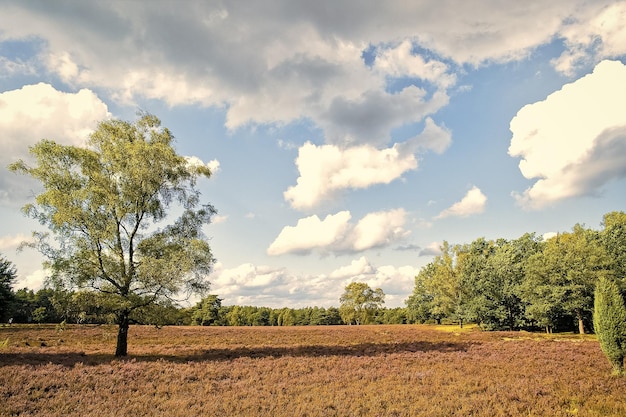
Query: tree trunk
{"x": 122, "y": 334}
{"x": 581, "y": 325}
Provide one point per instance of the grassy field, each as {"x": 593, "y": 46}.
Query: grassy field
{"x": 304, "y": 371}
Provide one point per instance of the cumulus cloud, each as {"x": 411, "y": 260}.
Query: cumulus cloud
{"x": 194, "y": 161}
{"x": 473, "y": 203}
{"x": 595, "y": 33}
{"x": 328, "y": 169}
{"x": 335, "y": 233}
{"x": 35, "y": 112}
{"x": 574, "y": 141}
{"x": 262, "y": 285}
{"x": 358, "y": 267}
{"x": 34, "y": 281}
{"x": 278, "y": 62}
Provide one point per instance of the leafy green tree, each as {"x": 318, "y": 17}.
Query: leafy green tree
{"x": 476, "y": 282}
{"x": 107, "y": 206}
{"x": 23, "y": 305}
{"x": 8, "y": 275}
{"x": 447, "y": 287}
{"x": 609, "y": 318}
{"x": 420, "y": 303}
{"x": 492, "y": 273}
{"x": 561, "y": 278}
{"x": 359, "y": 302}
{"x": 207, "y": 311}
{"x": 613, "y": 237}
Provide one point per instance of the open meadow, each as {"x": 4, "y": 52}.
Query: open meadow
{"x": 401, "y": 370}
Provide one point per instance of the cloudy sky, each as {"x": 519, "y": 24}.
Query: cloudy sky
{"x": 348, "y": 138}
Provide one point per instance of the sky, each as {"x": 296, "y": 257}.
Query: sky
{"x": 348, "y": 138}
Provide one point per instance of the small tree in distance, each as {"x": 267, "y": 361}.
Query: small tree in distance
{"x": 359, "y": 302}
{"x": 106, "y": 205}
{"x": 609, "y": 320}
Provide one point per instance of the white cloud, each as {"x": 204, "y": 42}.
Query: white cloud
{"x": 13, "y": 242}
{"x": 401, "y": 61}
{"x": 328, "y": 169}
{"x": 194, "y": 161}
{"x": 219, "y": 219}
{"x": 336, "y": 234}
{"x": 595, "y": 33}
{"x": 357, "y": 267}
{"x": 575, "y": 140}
{"x": 473, "y": 203}
{"x": 379, "y": 229}
{"x": 35, "y": 112}
{"x": 249, "y": 284}
{"x": 278, "y": 62}
{"x": 433, "y": 249}
{"x": 311, "y": 233}
{"x": 34, "y": 281}
{"x": 549, "y": 235}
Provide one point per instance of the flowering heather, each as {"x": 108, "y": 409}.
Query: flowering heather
{"x": 402, "y": 370}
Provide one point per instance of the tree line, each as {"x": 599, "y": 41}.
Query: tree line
{"x": 524, "y": 283}
{"x": 49, "y": 305}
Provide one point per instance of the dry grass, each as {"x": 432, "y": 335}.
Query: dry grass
{"x": 304, "y": 371}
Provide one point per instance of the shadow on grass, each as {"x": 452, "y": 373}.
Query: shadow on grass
{"x": 215, "y": 355}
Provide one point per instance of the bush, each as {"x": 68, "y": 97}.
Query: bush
{"x": 609, "y": 320}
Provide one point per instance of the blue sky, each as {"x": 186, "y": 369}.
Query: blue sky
{"x": 348, "y": 138}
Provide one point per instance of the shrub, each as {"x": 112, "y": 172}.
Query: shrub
{"x": 609, "y": 320}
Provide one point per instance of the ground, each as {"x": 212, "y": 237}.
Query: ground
{"x": 402, "y": 370}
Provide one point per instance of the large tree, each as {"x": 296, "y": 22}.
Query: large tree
{"x": 359, "y": 302}
{"x": 109, "y": 205}
{"x": 8, "y": 275}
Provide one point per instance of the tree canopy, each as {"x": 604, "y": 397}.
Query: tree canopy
{"x": 108, "y": 208}
{"x": 525, "y": 282}
{"x": 359, "y": 302}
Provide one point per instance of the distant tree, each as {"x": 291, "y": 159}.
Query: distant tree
{"x": 24, "y": 305}
{"x": 609, "y": 320}
{"x": 107, "y": 207}
{"x": 359, "y": 302}
{"x": 207, "y": 311}
{"x": 397, "y": 315}
{"x": 8, "y": 275}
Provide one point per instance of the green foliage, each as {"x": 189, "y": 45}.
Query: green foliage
{"x": 105, "y": 206}
{"x": 609, "y": 320}
{"x": 521, "y": 283}
{"x": 560, "y": 279}
{"x": 207, "y": 311}
{"x": 8, "y": 275}
{"x": 420, "y": 302}
{"x": 613, "y": 238}
{"x": 359, "y": 303}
